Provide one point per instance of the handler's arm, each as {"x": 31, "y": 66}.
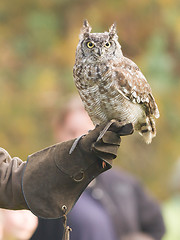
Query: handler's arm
{"x": 11, "y": 171}
{"x": 52, "y": 178}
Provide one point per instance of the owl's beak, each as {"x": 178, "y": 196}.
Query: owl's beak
{"x": 99, "y": 51}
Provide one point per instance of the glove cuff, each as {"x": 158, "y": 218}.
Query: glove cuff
{"x": 52, "y": 178}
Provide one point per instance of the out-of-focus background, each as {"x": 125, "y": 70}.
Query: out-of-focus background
{"x": 37, "y": 51}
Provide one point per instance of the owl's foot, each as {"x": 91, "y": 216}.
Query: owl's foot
{"x": 105, "y": 129}
{"x": 102, "y": 134}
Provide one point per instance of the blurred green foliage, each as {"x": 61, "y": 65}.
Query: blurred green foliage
{"x": 37, "y": 45}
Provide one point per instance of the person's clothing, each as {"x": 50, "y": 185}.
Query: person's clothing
{"x": 113, "y": 206}
{"x": 90, "y": 220}
{"x": 48, "y": 229}
{"x": 124, "y": 202}
{"x": 11, "y": 172}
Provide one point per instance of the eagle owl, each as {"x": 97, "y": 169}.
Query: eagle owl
{"x": 112, "y": 86}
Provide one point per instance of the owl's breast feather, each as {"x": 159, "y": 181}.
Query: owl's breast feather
{"x": 101, "y": 98}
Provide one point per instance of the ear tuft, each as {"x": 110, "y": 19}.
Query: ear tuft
{"x": 112, "y": 30}
{"x": 86, "y": 24}
{"x": 85, "y": 30}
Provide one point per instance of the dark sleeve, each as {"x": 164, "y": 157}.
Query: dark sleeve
{"x": 48, "y": 229}
{"x": 11, "y": 170}
{"x": 150, "y": 215}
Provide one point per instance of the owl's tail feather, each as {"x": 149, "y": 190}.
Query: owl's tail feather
{"x": 148, "y": 129}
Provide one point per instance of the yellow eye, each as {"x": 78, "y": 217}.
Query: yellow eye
{"x": 107, "y": 45}
{"x": 90, "y": 45}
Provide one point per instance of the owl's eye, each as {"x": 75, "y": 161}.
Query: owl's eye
{"x": 90, "y": 45}
{"x": 107, "y": 45}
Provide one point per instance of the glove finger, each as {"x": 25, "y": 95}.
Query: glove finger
{"x": 105, "y": 156}
{"x": 105, "y": 148}
{"x": 111, "y": 138}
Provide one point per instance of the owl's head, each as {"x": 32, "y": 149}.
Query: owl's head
{"x": 98, "y": 46}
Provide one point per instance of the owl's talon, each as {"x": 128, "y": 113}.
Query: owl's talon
{"x": 75, "y": 143}
{"x": 105, "y": 129}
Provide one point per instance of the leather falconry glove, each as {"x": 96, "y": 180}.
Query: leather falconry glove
{"x": 53, "y": 178}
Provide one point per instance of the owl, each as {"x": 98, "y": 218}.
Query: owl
{"x": 112, "y": 86}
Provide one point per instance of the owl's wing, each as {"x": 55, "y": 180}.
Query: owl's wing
{"x": 129, "y": 81}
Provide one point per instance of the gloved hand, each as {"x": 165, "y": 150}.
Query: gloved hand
{"x": 106, "y": 148}
{"x": 53, "y": 178}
